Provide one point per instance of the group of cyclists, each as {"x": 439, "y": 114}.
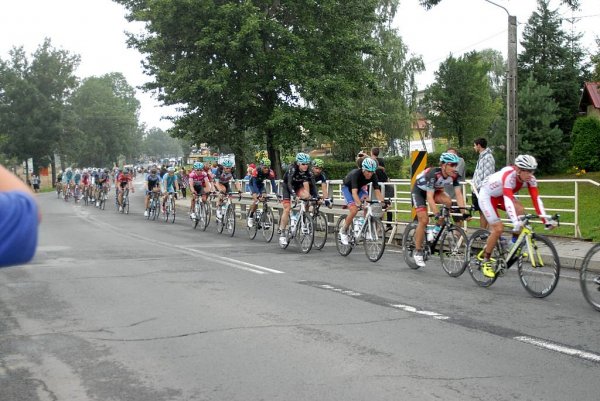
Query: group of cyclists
{"x": 91, "y": 184}
{"x": 300, "y": 180}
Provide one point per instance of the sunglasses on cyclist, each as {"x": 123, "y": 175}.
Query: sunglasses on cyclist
{"x": 304, "y": 164}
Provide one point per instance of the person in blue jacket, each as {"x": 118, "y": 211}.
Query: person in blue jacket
{"x": 19, "y": 218}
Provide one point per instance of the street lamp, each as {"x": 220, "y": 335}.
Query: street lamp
{"x": 511, "y": 88}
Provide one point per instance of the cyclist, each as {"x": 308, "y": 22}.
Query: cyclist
{"x": 223, "y": 177}
{"x": 297, "y": 181}
{"x": 124, "y": 180}
{"x": 59, "y": 177}
{"x": 76, "y": 182}
{"x": 354, "y": 190}
{"x": 95, "y": 176}
{"x": 153, "y": 183}
{"x": 429, "y": 189}
{"x": 85, "y": 181}
{"x": 101, "y": 182}
{"x": 199, "y": 185}
{"x": 67, "y": 179}
{"x": 258, "y": 176}
{"x": 498, "y": 192}
{"x": 170, "y": 185}
{"x": 320, "y": 177}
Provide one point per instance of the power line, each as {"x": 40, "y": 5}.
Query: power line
{"x": 468, "y": 47}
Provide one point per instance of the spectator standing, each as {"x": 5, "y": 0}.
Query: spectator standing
{"x": 35, "y": 180}
{"x": 486, "y": 165}
{"x": 18, "y": 220}
{"x": 183, "y": 181}
{"x": 381, "y": 178}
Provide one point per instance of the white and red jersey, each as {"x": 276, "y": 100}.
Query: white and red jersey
{"x": 502, "y": 187}
{"x": 199, "y": 177}
{"x": 85, "y": 179}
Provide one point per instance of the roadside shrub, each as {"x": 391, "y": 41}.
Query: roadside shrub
{"x": 585, "y": 152}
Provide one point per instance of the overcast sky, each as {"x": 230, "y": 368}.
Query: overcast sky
{"x": 95, "y": 29}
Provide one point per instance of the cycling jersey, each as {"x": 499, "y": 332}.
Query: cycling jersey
{"x": 356, "y": 180}
{"x": 153, "y": 181}
{"x": 102, "y": 178}
{"x": 294, "y": 179}
{"x": 432, "y": 179}
{"x": 321, "y": 178}
{"x": 123, "y": 179}
{"x": 257, "y": 179}
{"x": 77, "y": 178}
{"x": 169, "y": 182}
{"x": 67, "y": 177}
{"x": 85, "y": 179}
{"x": 498, "y": 191}
{"x": 223, "y": 177}
{"x": 198, "y": 178}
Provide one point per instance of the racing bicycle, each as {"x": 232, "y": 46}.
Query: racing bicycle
{"x": 450, "y": 243}
{"x": 225, "y": 217}
{"x": 264, "y": 220}
{"x": 536, "y": 257}
{"x": 301, "y": 226}
{"x": 589, "y": 277}
{"x": 368, "y": 229}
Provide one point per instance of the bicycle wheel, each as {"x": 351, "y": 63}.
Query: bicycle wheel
{"x": 220, "y": 221}
{"x": 171, "y": 204}
{"x": 197, "y": 213}
{"x": 305, "y": 233}
{"x": 230, "y": 219}
{"x": 589, "y": 277}
{"x": 539, "y": 268}
{"x": 204, "y": 216}
{"x": 267, "y": 224}
{"x": 167, "y": 213}
{"x": 254, "y": 229}
{"x": 320, "y": 225}
{"x": 344, "y": 250}
{"x": 453, "y": 251}
{"x": 126, "y": 205}
{"x": 475, "y": 246}
{"x": 155, "y": 209}
{"x": 103, "y": 198}
{"x": 207, "y": 212}
{"x": 374, "y": 239}
{"x": 408, "y": 245}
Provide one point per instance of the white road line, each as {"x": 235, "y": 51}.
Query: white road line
{"x": 249, "y": 267}
{"x": 559, "y": 348}
{"x": 412, "y": 309}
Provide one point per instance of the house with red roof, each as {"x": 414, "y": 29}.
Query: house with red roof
{"x": 589, "y": 104}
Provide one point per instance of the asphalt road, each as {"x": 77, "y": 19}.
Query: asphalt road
{"x": 115, "y": 307}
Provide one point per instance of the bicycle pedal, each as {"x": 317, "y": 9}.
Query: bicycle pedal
{"x": 501, "y": 272}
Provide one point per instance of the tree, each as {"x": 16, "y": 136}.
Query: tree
{"x": 555, "y": 59}
{"x": 585, "y": 152}
{"x": 105, "y": 125}
{"x": 459, "y": 102}
{"x": 33, "y": 101}
{"x": 428, "y": 4}
{"x": 158, "y": 144}
{"x": 277, "y": 73}
{"x": 596, "y": 63}
{"x": 538, "y": 133}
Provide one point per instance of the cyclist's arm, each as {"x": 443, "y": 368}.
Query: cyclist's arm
{"x": 537, "y": 203}
{"x": 431, "y": 201}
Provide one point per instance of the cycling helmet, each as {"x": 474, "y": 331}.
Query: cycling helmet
{"x": 318, "y": 163}
{"x": 302, "y": 158}
{"x": 448, "y": 157}
{"x": 171, "y": 169}
{"x": 266, "y": 162}
{"x": 85, "y": 171}
{"x": 526, "y": 162}
{"x": 227, "y": 163}
{"x": 198, "y": 166}
{"x": 106, "y": 170}
{"x": 369, "y": 164}
{"x": 68, "y": 170}
{"x": 77, "y": 172}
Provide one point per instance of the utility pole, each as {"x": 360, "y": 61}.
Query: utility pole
{"x": 512, "y": 118}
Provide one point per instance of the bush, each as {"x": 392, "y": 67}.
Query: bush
{"x": 585, "y": 152}
{"x": 337, "y": 170}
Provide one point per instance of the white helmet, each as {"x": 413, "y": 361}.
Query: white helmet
{"x": 68, "y": 169}
{"x": 526, "y": 162}
{"x": 77, "y": 171}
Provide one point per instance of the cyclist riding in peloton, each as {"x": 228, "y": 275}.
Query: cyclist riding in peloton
{"x": 498, "y": 192}
{"x": 297, "y": 181}
{"x": 257, "y": 185}
{"x": 153, "y": 182}
{"x": 429, "y": 189}
{"x": 170, "y": 185}
{"x": 123, "y": 180}
{"x": 199, "y": 185}
{"x": 355, "y": 190}
{"x": 67, "y": 179}
{"x": 223, "y": 177}
{"x": 320, "y": 178}
{"x": 101, "y": 182}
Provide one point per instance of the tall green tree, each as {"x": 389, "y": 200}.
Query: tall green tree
{"x": 158, "y": 144}
{"x": 459, "y": 102}
{"x": 278, "y": 72}
{"x": 556, "y": 59}
{"x": 538, "y": 133}
{"x": 595, "y": 60}
{"x": 428, "y": 4}
{"x": 104, "y": 113}
{"x": 33, "y": 101}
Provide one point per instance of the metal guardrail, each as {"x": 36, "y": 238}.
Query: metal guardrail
{"x": 401, "y": 207}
